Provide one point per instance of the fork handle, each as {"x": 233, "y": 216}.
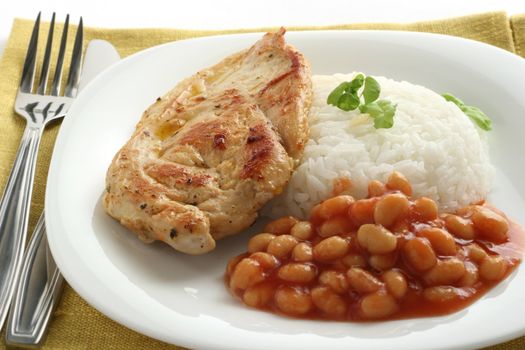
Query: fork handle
{"x": 37, "y": 294}
{"x": 14, "y": 214}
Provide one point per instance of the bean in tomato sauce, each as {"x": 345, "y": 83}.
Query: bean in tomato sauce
{"x": 388, "y": 256}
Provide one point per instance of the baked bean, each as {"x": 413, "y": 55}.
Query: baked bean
{"x": 331, "y": 248}
{"x": 459, "y": 227}
{"x": 281, "y": 246}
{"x": 259, "y": 243}
{"x": 395, "y": 283}
{"x": 470, "y": 277}
{"x": 362, "y": 281}
{"x": 493, "y": 268}
{"x": 419, "y": 254}
{"x": 335, "y": 280}
{"x": 341, "y": 185}
{"x": 498, "y": 211}
{"x": 476, "y": 253}
{"x": 426, "y": 208}
{"x": 440, "y": 294}
{"x": 281, "y": 226}
{"x": 445, "y": 272}
{"x": 247, "y": 273}
{"x": 335, "y": 206}
{"x": 398, "y": 181}
{"x": 351, "y": 260}
{"x": 337, "y": 264}
{"x": 232, "y": 263}
{"x": 267, "y": 261}
{"x": 338, "y": 225}
{"x": 302, "y": 252}
{"x": 490, "y": 225}
{"x": 466, "y": 211}
{"x": 400, "y": 227}
{"x": 383, "y": 262}
{"x": 293, "y": 300}
{"x": 303, "y": 230}
{"x": 258, "y": 295}
{"x": 378, "y": 305}
{"x": 329, "y": 302}
{"x": 376, "y": 188}
{"x": 376, "y": 239}
{"x": 390, "y": 208}
{"x": 314, "y": 213}
{"x": 442, "y": 241}
{"x": 362, "y": 211}
{"x": 297, "y": 272}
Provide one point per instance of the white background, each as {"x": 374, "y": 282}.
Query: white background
{"x": 221, "y": 14}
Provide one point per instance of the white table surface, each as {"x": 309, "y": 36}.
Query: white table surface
{"x": 222, "y": 14}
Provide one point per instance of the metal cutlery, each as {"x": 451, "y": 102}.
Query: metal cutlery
{"x": 38, "y": 106}
{"x": 37, "y": 293}
{"x": 40, "y": 284}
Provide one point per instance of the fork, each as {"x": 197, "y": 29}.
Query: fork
{"x": 37, "y": 294}
{"x": 38, "y": 105}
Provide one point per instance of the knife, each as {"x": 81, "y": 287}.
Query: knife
{"x": 40, "y": 284}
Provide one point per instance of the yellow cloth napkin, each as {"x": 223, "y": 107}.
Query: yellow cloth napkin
{"x": 76, "y": 325}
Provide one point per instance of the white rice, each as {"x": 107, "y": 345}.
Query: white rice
{"x": 435, "y": 145}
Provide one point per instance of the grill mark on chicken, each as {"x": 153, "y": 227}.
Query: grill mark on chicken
{"x": 171, "y": 174}
{"x": 294, "y": 69}
{"x": 253, "y": 138}
{"x": 203, "y": 134}
{"x": 219, "y": 141}
{"x": 258, "y": 150}
{"x": 231, "y": 99}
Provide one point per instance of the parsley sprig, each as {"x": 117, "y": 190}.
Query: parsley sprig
{"x": 474, "y": 113}
{"x": 349, "y": 96}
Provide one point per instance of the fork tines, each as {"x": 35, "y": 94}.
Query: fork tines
{"x": 28, "y": 73}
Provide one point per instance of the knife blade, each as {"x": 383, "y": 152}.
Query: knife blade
{"x": 40, "y": 284}
{"x": 100, "y": 54}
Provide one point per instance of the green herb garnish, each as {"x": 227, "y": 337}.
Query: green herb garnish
{"x": 371, "y": 90}
{"x": 382, "y": 111}
{"x": 474, "y": 113}
{"x": 347, "y": 97}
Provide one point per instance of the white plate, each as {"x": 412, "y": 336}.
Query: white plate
{"x": 182, "y": 299}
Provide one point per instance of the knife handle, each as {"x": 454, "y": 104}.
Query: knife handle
{"x": 38, "y": 292}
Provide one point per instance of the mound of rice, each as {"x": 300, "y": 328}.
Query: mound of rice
{"x": 435, "y": 145}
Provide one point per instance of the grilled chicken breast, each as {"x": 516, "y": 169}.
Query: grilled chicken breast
{"x": 209, "y": 154}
